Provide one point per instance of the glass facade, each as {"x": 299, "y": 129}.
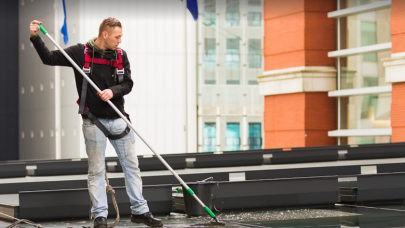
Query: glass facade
{"x": 232, "y": 136}
{"x": 229, "y": 59}
{"x": 210, "y": 60}
{"x": 254, "y": 19}
{"x": 232, "y": 54}
{"x": 255, "y": 136}
{"x": 365, "y": 29}
{"x": 209, "y": 13}
{"x": 232, "y": 13}
{"x": 254, "y": 15}
{"x": 232, "y": 61}
{"x": 255, "y": 53}
{"x": 210, "y": 137}
{"x": 366, "y": 111}
{"x": 363, "y": 70}
{"x": 365, "y": 140}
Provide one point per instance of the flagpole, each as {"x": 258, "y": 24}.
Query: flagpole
{"x": 186, "y": 69}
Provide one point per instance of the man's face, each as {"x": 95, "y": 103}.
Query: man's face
{"x": 113, "y": 38}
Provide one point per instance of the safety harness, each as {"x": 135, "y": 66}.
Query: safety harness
{"x": 117, "y": 63}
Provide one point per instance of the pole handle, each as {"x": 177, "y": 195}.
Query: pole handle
{"x": 42, "y": 29}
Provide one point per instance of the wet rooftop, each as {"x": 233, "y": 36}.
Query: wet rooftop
{"x": 339, "y": 215}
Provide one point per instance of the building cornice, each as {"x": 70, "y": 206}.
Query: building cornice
{"x": 395, "y": 68}
{"x": 297, "y": 79}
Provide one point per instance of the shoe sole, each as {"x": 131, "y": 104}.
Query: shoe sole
{"x": 148, "y": 224}
{"x": 102, "y": 226}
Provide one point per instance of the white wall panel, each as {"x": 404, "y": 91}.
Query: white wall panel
{"x": 154, "y": 38}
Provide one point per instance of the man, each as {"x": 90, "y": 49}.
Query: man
{"x": 97, "y": 51}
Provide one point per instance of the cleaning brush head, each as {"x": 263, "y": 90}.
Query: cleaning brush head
{"x": 217, "y": 222}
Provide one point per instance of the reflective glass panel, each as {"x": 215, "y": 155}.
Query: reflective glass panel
{"x": 210, "y": 59}
{"x": 232, "y": 13}
{"x": 254, "y": 53}
{"x": 210, "y": 137}
{"x": 365, "y": 29}
{"x": 363, "y": 70}
{"x": 255, "y": 136}
{"x": 366, "y": 111}
{"x": 209, "y": 13}
{"x": 232, "y": 136}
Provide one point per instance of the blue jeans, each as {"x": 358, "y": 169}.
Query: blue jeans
{"x": 96, "y": 143}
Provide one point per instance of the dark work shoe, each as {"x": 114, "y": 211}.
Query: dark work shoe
{"x": 146, "y": 219}
{"x": 100, "y": 222}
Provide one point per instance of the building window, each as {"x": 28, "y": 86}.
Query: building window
{"x": 255, "y": 53}
{"x": 210, "y": 60}
{"x": 366, "y": 111}
{"x": 255, "y": 19}
{"x": 210, "y": 137}
{"x": 232, "y": 136}
{"x": 255, "y": 136}
{"x": 360, "y": 108}
{"x": 209, "y": 13}
{"x": 359, "y": 71}
{"x": 365, "y": 29}
{"x": 254, "y": 15}
{"x": 232, "y": 59}
{"x": 369, "y": 37}
{"x": 232, "y": 13}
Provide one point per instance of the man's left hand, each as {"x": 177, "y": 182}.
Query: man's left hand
{"x": 106, "y": 94}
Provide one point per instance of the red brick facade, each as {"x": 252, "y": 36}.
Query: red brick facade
{"x": 398, "y": 112}
{"x": 298, "y": 33}
{"x": 398, "y": 26}
{"x": 398, "y": 89}
{"x": 299, "y": 119}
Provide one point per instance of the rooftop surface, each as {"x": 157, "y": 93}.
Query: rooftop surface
{"x": 339, "y": 215}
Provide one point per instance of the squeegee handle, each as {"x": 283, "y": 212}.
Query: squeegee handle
{"x": 128, "y": 123}
{"x": 42, "y": 29}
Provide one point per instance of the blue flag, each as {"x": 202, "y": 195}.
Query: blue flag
{"x": 192, "y": 6}
{"x": 63, "y": 30}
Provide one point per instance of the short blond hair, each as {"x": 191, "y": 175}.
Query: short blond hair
{"x": 108, "y": 24}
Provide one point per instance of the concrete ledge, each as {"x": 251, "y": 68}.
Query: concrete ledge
{"x": 297, "y": 79}
{"x": 395, "y": 68}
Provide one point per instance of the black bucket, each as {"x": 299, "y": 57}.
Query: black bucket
{"x": 204, "y": 191}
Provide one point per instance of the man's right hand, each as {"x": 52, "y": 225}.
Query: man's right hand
{"x": 34, "y": 28}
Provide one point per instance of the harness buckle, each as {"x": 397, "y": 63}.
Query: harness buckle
{"x": 86, "y": 70}
{"x": 113, "y": 63}
{"x": 120, "y": 71}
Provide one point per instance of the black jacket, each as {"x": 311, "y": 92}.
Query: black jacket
{"x": 102, "y": 76}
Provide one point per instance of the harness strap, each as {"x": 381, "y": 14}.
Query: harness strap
{"x": 83, "y": 96}
{"x": 97, "y": 122}
{"x": 111, "y": 62}
{"x": 86, "y": 69}
{"x": 120, "y": 68}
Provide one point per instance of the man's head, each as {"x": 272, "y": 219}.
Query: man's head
{"x": 110, "y": 33}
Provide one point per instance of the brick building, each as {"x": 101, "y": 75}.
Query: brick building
{"x": 333, "y": 72}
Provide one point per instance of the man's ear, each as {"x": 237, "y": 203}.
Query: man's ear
{"x": 105, "y": 34}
